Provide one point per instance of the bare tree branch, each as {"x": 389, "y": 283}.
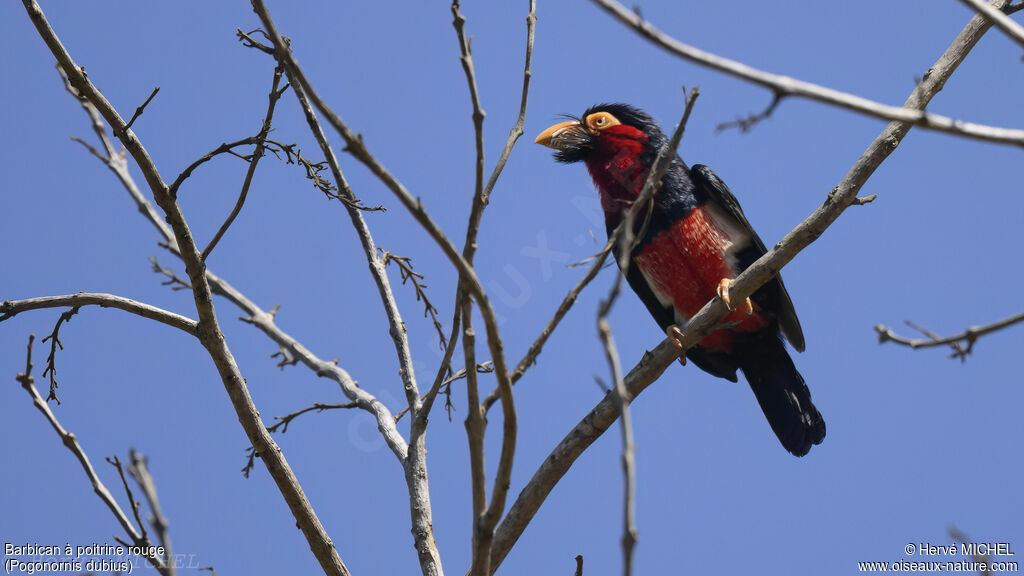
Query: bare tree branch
{"x": 980, "y": 559}
{"x": 10, "y": 308}
{"x": 71, "y": 442}
{"x": 475, "y": 426}
{"x": 957, "y": 348}
{"x": 962, "y": 344}
{"x": 484, "y": 519}
{"x": 655, "y": 362}
{"x": 209, "y": 333}
{"x": 139, "y": 469}
{"x": 622, "y": 400}
{"x": 786, "y": 86}
{"x": 481, "y": 538}
{"x": 1012, "y": 29}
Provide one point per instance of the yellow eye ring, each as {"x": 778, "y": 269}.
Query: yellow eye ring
{"x": 601, "y": 121}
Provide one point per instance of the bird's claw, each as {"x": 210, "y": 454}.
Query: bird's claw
{"x": 723, "y": 293}
{"x": 676, "y": 336}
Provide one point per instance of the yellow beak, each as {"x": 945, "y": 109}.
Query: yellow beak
{"x": 550, "y": 136}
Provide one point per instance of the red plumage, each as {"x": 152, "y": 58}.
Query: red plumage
{"x": 685, "y": 264}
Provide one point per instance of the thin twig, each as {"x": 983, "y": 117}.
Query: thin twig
{"x": 139, "y": 469}
{"x": 71, "y": 443}
{"x": 793, "y": 87}
{"x": 654, "y": 363}
{"x": 745, "y": 124}
{"x": 51, "y": 360}
{"x": 622, "y": 400}
{"x": 173, "y": 280}
{"x": 140, "y": 109}
{"x": 405, "y": 269}
{"x": 90, "y": 148}
{"x": 481, "y": 368}
{"x": 963, "y": 343}
{"x": 283, "y": 422}
{"x": 116, "y": 463}
{"x": 224, "y": 148}
{"x": 958, "y": 349}
{"x": 249, "y": 42}
{"x": 257, "y": 153}
{"x": 980, "y": 559}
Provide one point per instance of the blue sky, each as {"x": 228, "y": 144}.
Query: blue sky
{"x": 916, "y": 441}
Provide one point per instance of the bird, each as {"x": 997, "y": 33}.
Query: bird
{"x": 690, "y": 243}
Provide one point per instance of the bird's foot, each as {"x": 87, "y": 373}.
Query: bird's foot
{"x": 723, "y": 293}
{"x": 676, "y": 336}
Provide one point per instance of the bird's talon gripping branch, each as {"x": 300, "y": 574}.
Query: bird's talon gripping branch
{"x": 676, "y": 336}
{"x": 723, "y": 293}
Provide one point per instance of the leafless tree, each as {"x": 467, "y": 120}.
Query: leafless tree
{"x": 496, "y": 524}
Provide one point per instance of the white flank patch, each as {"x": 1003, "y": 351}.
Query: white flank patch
{"x": 733, "y": 234}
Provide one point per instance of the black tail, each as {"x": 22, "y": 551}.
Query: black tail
{"x": 782, "y": 394}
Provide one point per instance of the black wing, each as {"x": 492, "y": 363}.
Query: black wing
{"x": 772, "y": 296}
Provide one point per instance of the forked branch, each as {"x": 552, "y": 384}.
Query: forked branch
{"x": 962, "y": 344}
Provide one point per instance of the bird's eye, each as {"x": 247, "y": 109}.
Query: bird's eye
{"x": 601, "y": 120}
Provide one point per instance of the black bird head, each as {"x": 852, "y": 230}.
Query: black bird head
{"x": 604, "y": 131}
